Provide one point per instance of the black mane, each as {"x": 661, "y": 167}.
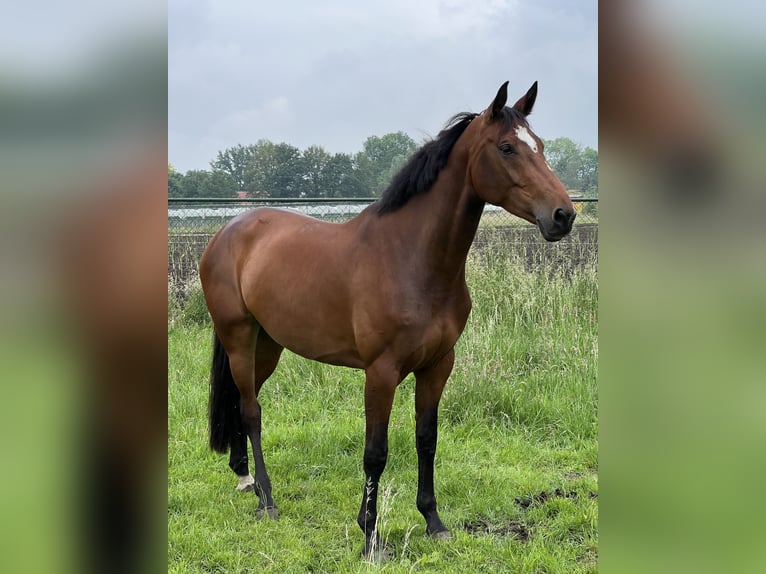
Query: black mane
{"x": 419, "y": 173}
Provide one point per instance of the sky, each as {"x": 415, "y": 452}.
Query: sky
{"x": 335, "y": 72}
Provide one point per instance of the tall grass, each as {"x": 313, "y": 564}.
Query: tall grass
{"x": 518, "y": 418}
{"x": 527, "y": 356}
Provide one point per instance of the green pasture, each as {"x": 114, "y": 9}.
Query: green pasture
{"x": 516, "y": 465}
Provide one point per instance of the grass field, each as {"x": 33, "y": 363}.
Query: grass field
{"x": 516, "y": 465}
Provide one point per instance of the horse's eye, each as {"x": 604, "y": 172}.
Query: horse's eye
{"x": 507, "y": 149}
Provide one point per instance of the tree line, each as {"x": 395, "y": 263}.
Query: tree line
{"x": 267, "y": 169}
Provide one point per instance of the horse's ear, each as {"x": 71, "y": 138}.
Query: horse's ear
{"x": 527, "y": 101}
{"x": 495, "y": 109}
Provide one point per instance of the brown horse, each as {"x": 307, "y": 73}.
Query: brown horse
{"x": 384, "y": 292}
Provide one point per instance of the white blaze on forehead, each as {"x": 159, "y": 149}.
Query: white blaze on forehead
{"x": 523, "y": 134}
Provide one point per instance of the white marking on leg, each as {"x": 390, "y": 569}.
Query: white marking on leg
{"x": 523, "y": 134}
{"x": 245, "y": 481}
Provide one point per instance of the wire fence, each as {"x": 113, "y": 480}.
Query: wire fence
{"x": 192, "y": 222}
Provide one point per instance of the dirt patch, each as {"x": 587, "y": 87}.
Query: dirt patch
{"x": 501, "y": 529}
{"x": 543, "y": 496}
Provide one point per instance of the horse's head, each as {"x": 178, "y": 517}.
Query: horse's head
{"x": 508, "y": 168}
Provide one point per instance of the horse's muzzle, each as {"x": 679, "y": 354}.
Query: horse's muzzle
{"x": 558, "y": 226}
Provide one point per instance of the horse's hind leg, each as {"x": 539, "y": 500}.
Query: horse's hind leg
{"x": 238, "y": 462}
{"x": 267, "y": 354}
{"x": 253, "y": 356}
{"x": 238, "y": 338}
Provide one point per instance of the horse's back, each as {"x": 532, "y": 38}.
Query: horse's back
{"x": 256, "y": 223}
{"x": 256, "y": 229}
{"x": 284, "y": 240}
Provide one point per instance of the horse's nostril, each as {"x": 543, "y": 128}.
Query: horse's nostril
{"x": 560, "y": 217}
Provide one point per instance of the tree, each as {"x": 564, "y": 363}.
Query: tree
{"x": 200, "y": 183}
{"x": 314, "y": 164}
{"x": 175, "y": 182}
{"x": 329, "y": 176}
{"x": 221, "y": 184}
{"x": 234, "y": 162}
{"x": 341, "y": 179}
{"x": 275, "y": 170}
{"x": 577, "y": 168}
{"x": 563, "y": 156}
{"x": 588, "y": 172}
{"x": 196, "y": 183}
{"x": 266, "y": 169}
{"x": 380, "y": 156}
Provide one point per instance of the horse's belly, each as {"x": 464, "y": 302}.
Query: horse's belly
{"x": 311, "y": 330}
{"x": 321, "y": 350}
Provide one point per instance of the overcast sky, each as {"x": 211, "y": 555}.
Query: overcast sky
{"x": 335, "y": 72}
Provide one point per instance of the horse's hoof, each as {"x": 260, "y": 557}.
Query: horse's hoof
{"x": 270, "y": 512}
{"x": 441, "y": 535}
{"x": 245, "y": 483}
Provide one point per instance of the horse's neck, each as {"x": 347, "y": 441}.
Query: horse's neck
{"x": 441, "y": 224}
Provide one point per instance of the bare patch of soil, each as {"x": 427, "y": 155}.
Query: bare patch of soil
{"x": 543, "y": 496}
{"x": 502, "y": 528}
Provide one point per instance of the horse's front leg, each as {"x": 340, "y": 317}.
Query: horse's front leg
{"x": 379, "y": 390}
{"x": 429, "y": 384}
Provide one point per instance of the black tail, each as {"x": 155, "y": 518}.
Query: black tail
{"x": 225, "y": 421}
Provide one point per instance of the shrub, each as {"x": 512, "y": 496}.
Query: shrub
{"x": 186, "y": 303}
